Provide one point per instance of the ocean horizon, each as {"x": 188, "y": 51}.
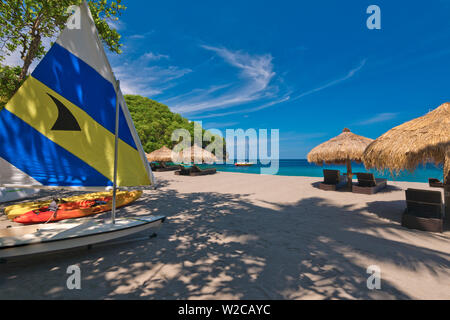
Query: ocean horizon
{"x": 302, "y": 168}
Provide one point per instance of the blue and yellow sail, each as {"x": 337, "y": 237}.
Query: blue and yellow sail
{"x": 58, "y": 130}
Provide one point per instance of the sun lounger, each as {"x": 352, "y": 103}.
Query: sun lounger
{"x": 332, "y": 180}
{"x": 447, "y": 201}
{"x": 162, "y": 167}
{"x": 195, "y": 171}
{"x": 367, "y": 184}
{"x": 435, "y": 183}
{"x": 425, "y": 210}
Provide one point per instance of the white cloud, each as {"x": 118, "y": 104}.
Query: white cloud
{"x": 349, "y": 75}
{"x": 381, "y": 117}
{"x": 142, "y": 35}
{"x": 118, "y": 25}
{"x": 148, "y": 81}
{"x": 155, "y": 56}
{"x": 265, "y": 74}
{"x": 257, "y": 68}
{"x": 255, "y": 75}
{"x": 14, "y": 58}
{"x": 218, "y": 125}
{"x": 248, "y": 110}
{"x": 287, "y": 97}
{"x": 138, "y": 76}
{"x": 198, "y": 92}
{"x": 137, "y": 36}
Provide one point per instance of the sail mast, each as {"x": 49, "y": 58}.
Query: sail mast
{"x": 116, "y": 153}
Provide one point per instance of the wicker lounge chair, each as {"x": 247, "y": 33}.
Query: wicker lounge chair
{"x": 332, "y": 180}
{"x": 367, "y": 184}
{"x": 195, "y": 171}
{"x": 425, "y": 210}
{"x": 447, "y": 201}
{"x": 162, "y": 167}
{"x": 435, "y": 183}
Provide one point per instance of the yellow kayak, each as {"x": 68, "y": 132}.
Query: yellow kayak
{"x": 77, "y": 209}
{"x": 17, "y": 210}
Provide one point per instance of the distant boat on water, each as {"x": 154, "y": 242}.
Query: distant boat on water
{"x": 243, "y": 164}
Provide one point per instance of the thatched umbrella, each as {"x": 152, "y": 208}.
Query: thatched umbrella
{"x": 422, "y": 140}
{"x": 197, "y": 153}
{"x": 343, "y": 149}
{"x": 161, "y": 155}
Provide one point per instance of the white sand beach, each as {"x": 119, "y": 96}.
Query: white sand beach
{"x": 243, "y": 236}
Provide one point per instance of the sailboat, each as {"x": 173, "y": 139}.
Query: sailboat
{"x": 68, "y": 128}
{"x": 14, "y": 194}
{"x": 243, "y": 164}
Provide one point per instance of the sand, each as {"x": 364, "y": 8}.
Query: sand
{"x": 239, "y": 236}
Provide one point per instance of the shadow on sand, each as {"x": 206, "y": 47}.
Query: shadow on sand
{"x": 221, "y": 246}
{"x": 388, "y": 189}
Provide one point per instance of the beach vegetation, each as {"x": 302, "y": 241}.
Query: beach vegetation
{"x": 27, "y": 27}
{"x": 155, "y": 124}
{"x": 9, "y": 81}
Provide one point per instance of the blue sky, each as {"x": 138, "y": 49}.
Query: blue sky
{"x": 308, "y": 68}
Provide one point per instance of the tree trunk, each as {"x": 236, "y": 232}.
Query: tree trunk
{"x": 34, "y": 47}
{"x": 349, "y": 174}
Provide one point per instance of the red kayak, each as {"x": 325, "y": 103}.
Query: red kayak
{"x": 69, "y": 210}
{"x": 76, "y": 209}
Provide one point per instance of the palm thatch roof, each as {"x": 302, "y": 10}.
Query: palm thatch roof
{"x": 340, "y": 149}
{"x": 425, "y": 139}
{"x": 197, "y": 154}
{"x": 163, "y": 155}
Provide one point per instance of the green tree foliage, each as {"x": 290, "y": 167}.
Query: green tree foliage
{"x": 9, "y": 81}
{"x": 24, "y": 24}
{"x": 155, "y": 123}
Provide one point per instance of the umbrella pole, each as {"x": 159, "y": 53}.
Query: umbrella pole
{"x": 447, "y": 183}
{"x": 447, "y": 167}
{"x": 349, "y": 174}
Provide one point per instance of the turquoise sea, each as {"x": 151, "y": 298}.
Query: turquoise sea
{"x": 301, "y": 167}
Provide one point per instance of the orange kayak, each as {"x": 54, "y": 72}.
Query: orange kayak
{"x": 16, "y": 210}
{"x": 76, "y": 209}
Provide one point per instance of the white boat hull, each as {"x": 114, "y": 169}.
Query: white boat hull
{"x": 39, "y": 239}
{"x": 13, "y": 194}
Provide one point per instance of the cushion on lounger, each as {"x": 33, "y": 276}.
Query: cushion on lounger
{"x": 424, "y": 203}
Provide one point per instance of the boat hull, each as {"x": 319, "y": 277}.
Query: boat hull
{"x": 10, "y": 194}
{"x": 17, "y": 210}
{"x": 40, "y": 239}
{"x": 77, "y": 209}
